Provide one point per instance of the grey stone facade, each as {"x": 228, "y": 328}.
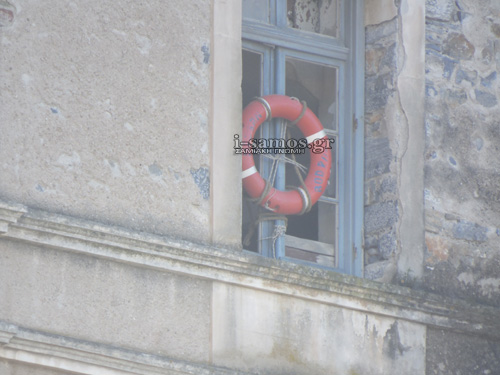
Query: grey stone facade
{"x": 461, "y": 162}
{"x": 381, "y": 186}
{"x": 120, "y": 199}
{"x": 462, "y": 137}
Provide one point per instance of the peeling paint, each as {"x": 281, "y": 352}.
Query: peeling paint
{"x": 201, "y": 178}
{"x": 206, "y": 54}
{"x": 144, "y": 44}
{"x": 69, "y": 161}
{"x": 114, "y": 168}
{"x": 155, "y": 170}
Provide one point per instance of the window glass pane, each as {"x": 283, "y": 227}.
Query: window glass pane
{"x": 321, "y": 249}
{"x": 257, "y": 10}
{"x": 317, "y": 85}
{"x": 252, "y": 75}
{"x": 317, "y": 16}
{"x": 312, "y": 237}
{"x": 327, "y": 223}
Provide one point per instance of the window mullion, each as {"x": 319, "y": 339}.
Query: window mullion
{"x": 281, "y": 13}
{"x": 266, "y": 228}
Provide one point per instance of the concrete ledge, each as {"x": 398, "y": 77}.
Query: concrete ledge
{"x": 247, "y": 270}
{"x": 9, "y": 213}
{"x": 82, "y": 357}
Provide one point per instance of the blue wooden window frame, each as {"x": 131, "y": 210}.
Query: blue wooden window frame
{"x": 275, "y": 42}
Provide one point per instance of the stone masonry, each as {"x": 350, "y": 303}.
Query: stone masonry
{"x": 462, "y": 199}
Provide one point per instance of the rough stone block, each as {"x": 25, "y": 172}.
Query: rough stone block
{"x": 373, "y": 56}
{"x": 451, "y": 353}
{"x": 458, "y": 47}
{"x": 442, "y": 10}
{"x": 448, "y": 67}
{"x": 388, "y": 185}
{"x": 486, "y": 99}
{"x": 380, "y": 215}
{"x": 463, "y": 75}
{"x": 378, "y": 89}
{"x": 378, "y": 157}
{"x": 488, "y": 80}
{"x": 453, "y": 270}
{"x": 380, "y": 189}
{"x": 388, "y": 61}
{"x": 456, "y": 97}
{"x": 377, "y": 32}
{"x": 470, "y": 231}
{"x": 388, "y": 244}
{"x": 375, "y": 271}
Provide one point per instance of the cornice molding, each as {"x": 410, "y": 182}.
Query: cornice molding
{"x": 89, "y": 358}
{"x": 245, "y": 269}
{"x": 9, "y": 213}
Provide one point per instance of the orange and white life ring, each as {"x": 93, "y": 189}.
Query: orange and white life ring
{"x": 289, "y": 202}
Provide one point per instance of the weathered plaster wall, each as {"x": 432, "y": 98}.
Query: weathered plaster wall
{"x": 92, "y": 299}
{"x": 268, "y": 333}
{"x": 462, "y": 164}
{"x": 104, "y": 111}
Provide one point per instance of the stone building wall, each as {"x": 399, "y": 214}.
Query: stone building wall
{"x": 114, "y": 113}
{"x": 461, "y": 254}
{"x": 462, "y": 163}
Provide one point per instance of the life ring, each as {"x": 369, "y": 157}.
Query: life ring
{"x": 288, "y": 202}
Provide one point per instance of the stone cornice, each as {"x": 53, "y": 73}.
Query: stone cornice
{"x": 83, "y": 357}
{"x": 9, "y": 213}
{"x": 246, "y": 270}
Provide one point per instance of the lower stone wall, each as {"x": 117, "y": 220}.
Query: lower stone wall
{"x": 451, "y": 353}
